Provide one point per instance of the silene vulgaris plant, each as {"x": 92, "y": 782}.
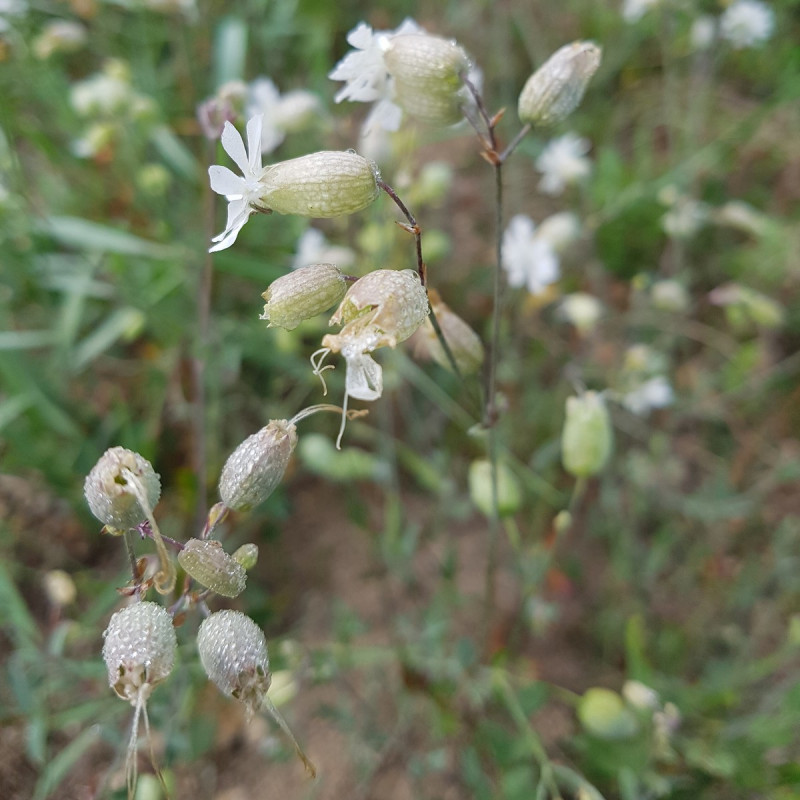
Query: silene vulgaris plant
{"x": 407, "y": 75}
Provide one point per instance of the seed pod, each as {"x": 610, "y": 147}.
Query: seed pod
{"x": 587, "y": 437}
{"x": 233, "y": 652}
{"x": 379, "y": 310}
{"x": 212, "y": 567}
{"x": 554, "y": 91}
{"x": 427, "y": 71}
{"x": 303, "y": 294}
{"x": 324, "y": 184}
{"x": 509, "y": 494}
{"x": 246, "y": 555}
{"x": 139, "y": 650}
{"x": 256, "y": 467}
{"x": 464, "y": 343}
{"x": 109, "y": 493}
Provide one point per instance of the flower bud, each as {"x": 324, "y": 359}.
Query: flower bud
{"x": 212, "y": 567}
{"x": 233, "y": 652}
{"x": 256, "y": 467}
{"x": 427, "y": 72}
{"x": 465, "y": 345}
{"x": 109, "y": 492}
{"x": 554, "y": 91}
{"x": 303, "y": 294}
{"x": 379, "y": 310}
{"x": 603, "y": 714}
{"x": 246, "y": 555}
{"x": 324, "y": 184}
{"x": 139, "y": 650}
{"x": 509, "y": 495}
{"x": 587, "y": 437}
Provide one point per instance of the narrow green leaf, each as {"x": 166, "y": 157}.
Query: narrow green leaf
{"x": 12, "y": 408}
{"x": 124, "y": 322}
{"x": 26, "y": 340}
{"x": 86, "y": 235}
{"x": 18, "y": 619}
{"x": 59, "y": 766}
{"x": 175, "y": 153}
{"x": 230, "y": 50}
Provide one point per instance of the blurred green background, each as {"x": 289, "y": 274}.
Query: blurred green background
{"x": 676, "y": 583}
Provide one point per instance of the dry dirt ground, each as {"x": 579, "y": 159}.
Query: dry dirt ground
{"x": 321, "y": 560}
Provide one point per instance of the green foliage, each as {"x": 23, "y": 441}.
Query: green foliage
{"x": 676, "y": 567}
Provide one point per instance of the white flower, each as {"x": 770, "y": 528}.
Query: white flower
{"x": 653, "y": 393}
{"x": 582, "y": 310}
{"x": 367, "y": 79}
{"x": 59, "y": 36}
{"x": 281, "y": 114}
{"x": 640, "y": 696}
{"x": 703, "y": 32}
{"x": 563, "y": 162}
{"x": 243, "y": 194}
{"x": 528, "y": 259}
{"x": 560, "y": 230}
{"x": 743, "y": 217}
{"x": 102, "y": 93}
{"x": 669, "y": 295}
{"x": 686, "y": 217}
{"x": 747, "y": 23}
{"x": 314, "y": 248}
{"x": 634, "y": 10}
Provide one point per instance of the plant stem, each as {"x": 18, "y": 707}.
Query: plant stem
{"x": 203, "y": 304}
{"x": 414, "y": 228}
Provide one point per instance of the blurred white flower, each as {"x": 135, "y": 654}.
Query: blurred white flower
{"x": 686, "y": 217}
{"x": 365, "y": 75}
{"x": 560, "y": 230}
{"x": 641, "y": 360}
{"x": 669, "y": 295}
{"x": 743, "y": 217}
{"x": 528, "y": 259}
{"x": 102, "y": 93}
{"x": 640, "y": 696}
{"x": 747, "y": 23}
{"x": 59, "y": 36}
{"x": 582, "y": 310}
{"x": 281, "y": 114}
{"x": 703, "y": 32}
{"x": 563, "y": 162}
{"x": 243, "y": 194}
{"x": 634, "y": 10}
{"x": 653, "y": 393}
{"x": 314, "y": 248}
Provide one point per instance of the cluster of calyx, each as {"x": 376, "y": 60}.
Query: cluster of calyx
{"x": 403, "y": 71}
{"x": 140, "y": 643}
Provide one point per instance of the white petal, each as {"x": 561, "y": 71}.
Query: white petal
{"x": 385, "y": 114}
{"x": 364, "y": 379}
{"x": 360, "y": 37}
{"x": 254, "y": 142}
{"x": 238, "y": 214}
{"x": 223, "y": 181}
{"x": 233, "y": 144}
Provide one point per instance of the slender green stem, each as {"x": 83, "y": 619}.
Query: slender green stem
{"x": 200, "y": 354}
{"x": 529, "y": 735}
{"x": 131, "y": 557}
{"x": 414, "y": 228}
